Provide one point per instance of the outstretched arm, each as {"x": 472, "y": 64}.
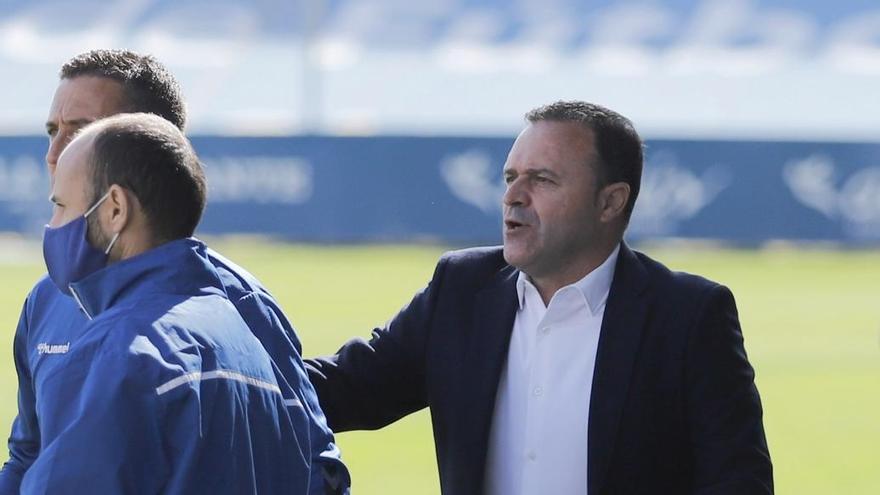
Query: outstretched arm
{"x": 369, "y": 384}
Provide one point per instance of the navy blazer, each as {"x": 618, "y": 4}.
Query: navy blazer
{"x": 674, "y": 408}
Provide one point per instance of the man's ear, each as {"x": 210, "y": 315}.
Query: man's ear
{"x": 121, "y": 208}
{"x": 612, "y": 201}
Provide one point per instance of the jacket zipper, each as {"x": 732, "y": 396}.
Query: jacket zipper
{"x": 79, "y": 302}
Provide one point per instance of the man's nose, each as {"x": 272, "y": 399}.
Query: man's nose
{"x": 515, "y": 193}
{"x": 56, "y": 146}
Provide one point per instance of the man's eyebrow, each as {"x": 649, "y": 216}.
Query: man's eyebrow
{"x": 531, "y": 172}
{"x": 51, "y": 124}
{"x": 540, "y": 171}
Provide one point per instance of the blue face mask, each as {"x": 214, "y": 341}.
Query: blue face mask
{"x": 68, "y": 254}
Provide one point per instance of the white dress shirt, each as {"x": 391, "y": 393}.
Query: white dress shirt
{"x": 538, "y": 440}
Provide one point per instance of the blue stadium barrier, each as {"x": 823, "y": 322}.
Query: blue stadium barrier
{"x": 347, "y": 189}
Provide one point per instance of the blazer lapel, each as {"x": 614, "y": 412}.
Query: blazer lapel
{"x": 618, "y": 343}
{"x": 494, "y": 314}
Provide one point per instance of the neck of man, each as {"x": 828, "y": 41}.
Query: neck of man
{"x": 572, "y": 271}
{"x": 132, "y": 242}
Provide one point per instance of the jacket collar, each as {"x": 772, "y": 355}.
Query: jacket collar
{"x": 176, "y": 267}
{"x": 622, "y": 328}
{"x": 493, "y": 315}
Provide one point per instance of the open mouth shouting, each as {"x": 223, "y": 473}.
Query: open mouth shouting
{"x": 513, "y": 226}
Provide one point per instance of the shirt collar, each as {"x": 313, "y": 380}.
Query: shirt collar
{"x": 594, "y": 287}
{"x": 179, "y": 267}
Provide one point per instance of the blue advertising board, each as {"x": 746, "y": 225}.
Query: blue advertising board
{"x": 390, "y": 189}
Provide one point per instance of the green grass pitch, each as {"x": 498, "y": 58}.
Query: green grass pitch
{"x": 811, "y": 320}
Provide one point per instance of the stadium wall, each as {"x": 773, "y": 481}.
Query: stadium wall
{"x": 391, "y": 189}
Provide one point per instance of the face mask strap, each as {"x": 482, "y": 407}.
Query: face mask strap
{"x": 112, "y": 241}
{"x": 96, "y": 205}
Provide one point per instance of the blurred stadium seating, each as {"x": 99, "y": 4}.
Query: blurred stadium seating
{"x": 793, "y": 69}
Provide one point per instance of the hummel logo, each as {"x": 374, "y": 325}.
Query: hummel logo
{"x": 44, "y": 348}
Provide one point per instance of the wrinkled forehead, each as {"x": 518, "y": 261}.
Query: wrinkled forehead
{"x": 86, "y": 98}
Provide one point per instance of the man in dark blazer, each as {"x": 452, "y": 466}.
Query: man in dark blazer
{"x": 564, "y": 362}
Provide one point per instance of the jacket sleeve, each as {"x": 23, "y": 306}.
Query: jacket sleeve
{"x": 369, "y": 384}
{"x": 276, "y": 334}
{"x": 109, "y": 439}
{"x": 725, "y": 416}
{"x": 24, "y": 440}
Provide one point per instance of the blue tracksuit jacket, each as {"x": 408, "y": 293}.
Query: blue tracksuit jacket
{"x": 52, "y": 322}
